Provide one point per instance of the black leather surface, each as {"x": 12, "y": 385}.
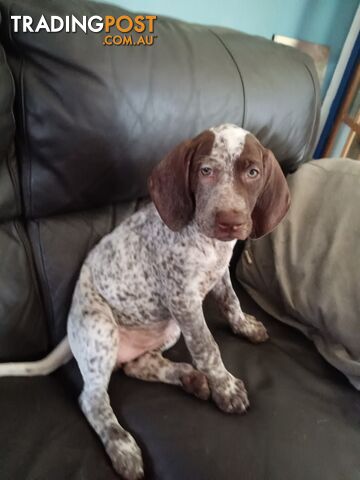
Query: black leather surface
{"x": 9, "y": 184}
{"x": 115, "y": 111}
{"x": 303, "y": 422}
{"x": 23, "y": 327}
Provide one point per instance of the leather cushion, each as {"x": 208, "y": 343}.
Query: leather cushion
{"x": 9, "y": 183}
{"x": 94, "y": 120}
{"x": 23, "y": 329}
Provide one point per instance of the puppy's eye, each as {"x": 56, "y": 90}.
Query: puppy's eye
{"x": 253, "y": 172}
{"x": 206, "y": 171}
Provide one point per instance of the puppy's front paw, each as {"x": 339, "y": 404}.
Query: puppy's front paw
{"x": 229, "y": 394}
{"x": 196, "y": 383}
{"x": 126, "y": 457}
{"x": 250, "y": 328}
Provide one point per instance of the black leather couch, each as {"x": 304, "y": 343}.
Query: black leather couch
{"x": 81, "y": 126}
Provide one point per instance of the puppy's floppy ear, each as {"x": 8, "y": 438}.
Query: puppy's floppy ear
{"x": 274, "y": 200}
{"x": 169, "y": 182}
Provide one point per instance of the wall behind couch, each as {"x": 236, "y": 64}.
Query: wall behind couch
{"x": 320, "y": 21}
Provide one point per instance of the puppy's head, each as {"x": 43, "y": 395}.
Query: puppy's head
{"x": 225, "y": 181}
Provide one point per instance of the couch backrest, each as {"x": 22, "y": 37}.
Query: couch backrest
{"x": 92, "y": 120}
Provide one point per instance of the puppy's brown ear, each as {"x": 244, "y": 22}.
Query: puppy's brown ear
{"x": 169, "y": 182}
{"x": 274, "y": 200}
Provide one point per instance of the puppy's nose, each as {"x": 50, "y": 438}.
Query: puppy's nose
{"x": 229, "y": 220}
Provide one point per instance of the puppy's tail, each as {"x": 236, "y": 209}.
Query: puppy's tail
{"x": 58, "y": 357}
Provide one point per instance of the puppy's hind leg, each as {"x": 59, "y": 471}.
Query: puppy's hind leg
{"x": 93, "y": 339}
{"x": 153, "y": 367}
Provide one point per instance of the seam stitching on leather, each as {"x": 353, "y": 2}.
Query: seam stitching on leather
{"x": 26, "y": 190}
{"x": 22, "y": 103}
{"x": 33, "y": 273}
{"x": 26, "y": 133}
{"x": 13, "y": 173}
{"x": 47, "y": 295}
{"x": 238, "y": 70}
{"x": 15, "y": 183}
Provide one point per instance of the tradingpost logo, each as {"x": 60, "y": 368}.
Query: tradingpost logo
{"x": 124, "y": 30}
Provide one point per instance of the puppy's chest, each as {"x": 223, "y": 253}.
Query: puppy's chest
{"x": 207, "y": 265}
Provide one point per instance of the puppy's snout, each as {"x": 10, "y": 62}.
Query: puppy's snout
{"x": 230, "y": 220}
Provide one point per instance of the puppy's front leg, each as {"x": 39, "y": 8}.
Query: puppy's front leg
{"x": 240, "y": 322}
{"x": 228, "y": 392}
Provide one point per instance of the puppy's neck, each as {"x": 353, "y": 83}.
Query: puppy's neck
{"x": 197, "y": 237}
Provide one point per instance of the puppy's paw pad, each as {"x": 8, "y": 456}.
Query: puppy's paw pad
{"x": 196, "y": 383}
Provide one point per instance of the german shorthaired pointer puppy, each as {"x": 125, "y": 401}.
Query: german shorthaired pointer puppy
{"x": 144, "y": 283}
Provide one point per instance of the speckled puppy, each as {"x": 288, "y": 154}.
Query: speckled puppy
{"x": 145, "y": 282}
